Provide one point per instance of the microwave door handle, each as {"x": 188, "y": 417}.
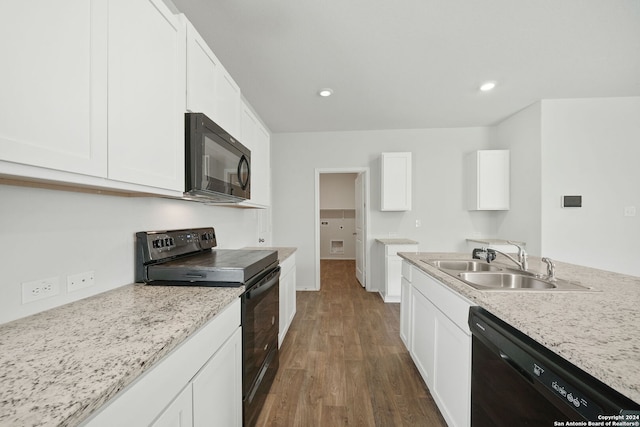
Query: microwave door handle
{"x": 243, "y": 184}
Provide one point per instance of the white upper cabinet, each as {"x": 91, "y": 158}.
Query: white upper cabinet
{"x": 98, "y": 89}
{"x": 488, "y": 180}
{"x": 202, "y": 74}
{"x": 255, "y": 137}
{"x": 210, "y": 88}
{"x": 147, "y": 80}
{"x": 228, "y": 103}
{"x": 396, "y": 182}
{"x": 53, "y": 102}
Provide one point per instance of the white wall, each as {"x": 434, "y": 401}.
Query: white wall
{"x": 438, "y": 194}
{"x": 338, "y": 190}
{"x": 520, "y": 134}
{"x": 591, "y": 147}
{"x": 51, "y": 233}
{"x": 587, "y": 147}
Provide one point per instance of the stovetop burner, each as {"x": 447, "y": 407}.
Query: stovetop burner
{"x": 187, "y": 257}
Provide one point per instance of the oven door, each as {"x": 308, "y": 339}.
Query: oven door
{"x": 217, "y": 165}
{"x": 260, "y": 322}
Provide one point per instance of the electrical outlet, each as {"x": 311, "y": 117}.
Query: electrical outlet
{"x": 418, "y": 223}
{"x": 40, "y": 289}
{"x": 79, "y": 281}
{"x": 630, "y": 211}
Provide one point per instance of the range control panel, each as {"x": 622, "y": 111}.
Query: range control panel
{"x": 153, "y": 246}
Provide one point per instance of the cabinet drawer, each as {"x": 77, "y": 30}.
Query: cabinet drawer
{"x": 450, "y": 303}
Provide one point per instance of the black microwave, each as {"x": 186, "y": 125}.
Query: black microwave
{"x": 218, "y": 167}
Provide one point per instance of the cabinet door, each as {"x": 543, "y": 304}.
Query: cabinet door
{"x": 53, "y": 107}
{"x": 217, "y": 389}
{"x": 179, "y": 413}
{"x": 287, "y": 297}
{"x": 405, "y": 312}
{"x": 292, "y": 308}
{"x": 452, "y": 374}
{"x": 396, "y": 182}
{"x": 146, "y": 94}
{"x": 203, "y": 68}
{"x": 422, "y": 329}
{"x": 282, "y": 313}
{"x": 393, "y": 274}
{"x": 228, "y": 103}
{"x": 488, "y": 175}
{"x": 257, "y": 139}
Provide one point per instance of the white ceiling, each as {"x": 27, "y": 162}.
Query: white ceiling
{"x": 400, "y": 64}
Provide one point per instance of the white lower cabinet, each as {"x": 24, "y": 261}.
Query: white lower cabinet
{"x": 423, "y": 336}
{"x": 179, "y": 413}
{"x": 439, "y": 341}
{"x": 287, "y": 296}
{"x": 391, "y": 268}
{"x": 217, "y": 389}
{"x": 198, "y": 384}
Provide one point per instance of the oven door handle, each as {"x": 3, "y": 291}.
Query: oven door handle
{"x": 265, "y": 284}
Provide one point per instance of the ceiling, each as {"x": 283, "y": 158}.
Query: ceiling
{"x": 405, "y": 64}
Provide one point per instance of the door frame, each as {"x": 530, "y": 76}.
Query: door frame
{"x": 366, "y": 214}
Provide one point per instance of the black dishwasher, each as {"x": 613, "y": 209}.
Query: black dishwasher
{"x": 518, "y": 382}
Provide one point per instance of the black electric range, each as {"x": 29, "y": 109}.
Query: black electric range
{"x": 188, "y": 258}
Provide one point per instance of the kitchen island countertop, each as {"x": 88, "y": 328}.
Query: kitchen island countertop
{"x": 599, "y": 332}
{"x": 60, "y": 365}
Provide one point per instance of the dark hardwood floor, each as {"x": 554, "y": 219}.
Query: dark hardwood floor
{"x": 342, "y": 362}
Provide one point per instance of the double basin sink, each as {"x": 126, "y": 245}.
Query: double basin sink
{"x": 484, "y": 276}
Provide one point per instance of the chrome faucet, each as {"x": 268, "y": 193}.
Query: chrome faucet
{"x": 551, "y": 269}
{"x": 522, "y": 261}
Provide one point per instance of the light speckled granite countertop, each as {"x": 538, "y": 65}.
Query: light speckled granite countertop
{"x": 58, "y": 366}
{"x": 397, "y": 241}
{"x": 597, "y": 331}
{"x": 283, "y": 252}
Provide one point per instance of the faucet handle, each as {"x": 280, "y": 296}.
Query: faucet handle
{"x": 551, "y": 268}
{"x": 484, "y": 253}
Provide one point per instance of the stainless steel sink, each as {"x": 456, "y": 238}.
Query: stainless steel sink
{"x": 489, "y": 277}
{"x": 517, "y": 281}
{"x": 505, "y": 281}
{"x": 463, "y": 265}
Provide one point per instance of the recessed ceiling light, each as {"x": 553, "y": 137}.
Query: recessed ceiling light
{"x": 487, "y": 86}
{"x": 325, "y": 92}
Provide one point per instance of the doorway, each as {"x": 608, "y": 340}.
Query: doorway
{"x": 350, "y": 242}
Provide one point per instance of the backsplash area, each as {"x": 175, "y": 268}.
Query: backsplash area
{"x": 53, "y": 234}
